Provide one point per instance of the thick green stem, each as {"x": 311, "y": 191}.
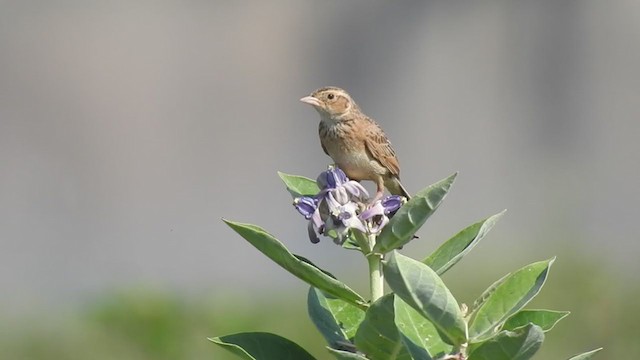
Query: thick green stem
{"x": 376, "y": 279}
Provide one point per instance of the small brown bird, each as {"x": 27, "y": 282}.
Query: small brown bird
{"x": 355, "y": 142}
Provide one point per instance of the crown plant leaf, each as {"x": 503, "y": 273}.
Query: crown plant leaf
{"x": 299, "y": 185}
{"x": 510, "y": 295}
{"x": 419, "y": 335}
{"x": 262, "y": 346}
{"x": 452, "y": 250}
{"x": 298, "y": 266}
{"x": 346, "y": 355}
{"x": 412, "y": 215}
{"x": 351, "y": 243}
{"x": 378, "y": 336}
{"x": 336, "y": 319}
{"x": 421, "y": 288}
{"x": 488, "y": 291}
{"x": 520, "y": 344}
{"x": 546, "y": 319}
{"x": 585, "y": 356}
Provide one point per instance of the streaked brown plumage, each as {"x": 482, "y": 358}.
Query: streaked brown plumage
{"x": 355, "y": 142}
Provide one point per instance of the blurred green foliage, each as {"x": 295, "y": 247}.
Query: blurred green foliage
{"x": 147, "y": 324}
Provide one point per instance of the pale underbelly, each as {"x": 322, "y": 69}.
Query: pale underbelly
{"x": 358, "y": 166}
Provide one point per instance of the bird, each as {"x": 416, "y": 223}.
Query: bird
{"x": 355, "y": 142}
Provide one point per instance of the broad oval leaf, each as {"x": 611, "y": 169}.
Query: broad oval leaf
{"x": 378, "y": 335}
{"x": 296, "y": 265}
{"x": 546, "y": 319}
{"x": 346, "y": 355}
{"x": 262, "y": 346}
{"x": 450, "y": 252}
{"x": 422, "y": 289}
{"x": 585, "y": 356}
{"x": 419, "y": 335}
{"x": 412, "y": 215}
{"x": 521, "y": 344}
{"x": 509, "y": 296}
{"x": 488, "y": 291}
{"x": 336, "y": 319}
{"x": 299, "y": 185}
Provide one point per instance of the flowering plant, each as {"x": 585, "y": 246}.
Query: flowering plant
{"x": 420, "y": 318}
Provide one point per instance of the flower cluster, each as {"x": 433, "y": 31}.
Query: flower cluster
{"x": 343, "y": 205}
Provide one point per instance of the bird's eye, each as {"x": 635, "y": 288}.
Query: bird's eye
{"x": 330, "y": 96}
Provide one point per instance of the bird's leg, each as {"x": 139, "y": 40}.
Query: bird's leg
{"x": 379, "y": 190}
{"x": 378, "y": 196}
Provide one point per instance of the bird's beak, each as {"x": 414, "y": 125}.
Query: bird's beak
{"x": 311, "y": 101}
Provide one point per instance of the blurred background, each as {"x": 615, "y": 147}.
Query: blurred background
{"x": 129, "y": 129}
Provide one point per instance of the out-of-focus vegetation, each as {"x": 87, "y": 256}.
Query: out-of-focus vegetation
{"x": 143, "y": 324}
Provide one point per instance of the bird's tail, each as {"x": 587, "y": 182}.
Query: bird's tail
{"x": 395, "y": 187}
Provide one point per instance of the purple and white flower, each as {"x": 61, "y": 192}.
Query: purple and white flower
{"x": 342, "y": 206}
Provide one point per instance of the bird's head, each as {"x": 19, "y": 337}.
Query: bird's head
{"x": 331, "y": 102}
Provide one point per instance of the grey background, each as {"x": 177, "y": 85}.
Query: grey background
{"x": 128, "y": 129}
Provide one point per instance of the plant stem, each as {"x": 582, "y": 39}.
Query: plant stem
{"x": 376, "y": 279}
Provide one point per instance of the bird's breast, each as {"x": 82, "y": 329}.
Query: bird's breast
{"x": 346, "y": 146}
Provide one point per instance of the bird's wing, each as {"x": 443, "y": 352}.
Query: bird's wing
{"x": 321, "y": 130}
{"x": 380, "y": 149}
{"x": 324, "y": 148}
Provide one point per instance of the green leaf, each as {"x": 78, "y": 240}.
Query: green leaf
{"x": 336, "y": 319}
{"x": 419, "y": 335}
{"x": 585, "y": 356}
{"x": 412, "y": 215}
{"x": 299, "y": 185}
{"x": 346, "y": 355}
{"x": 422, "y": 289}
{"x": 350, "y": 243}
{"x": 296, "y": 265}
{"x": 378, "y": 335}
{"x": 262, "y": 346}
{"x": 449, "y": 253}
{"x": 488, "y": 291}
{"x": 546, "y": 319}
{"x": 521, "y": 344}
{"x": 507, "y": 298}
